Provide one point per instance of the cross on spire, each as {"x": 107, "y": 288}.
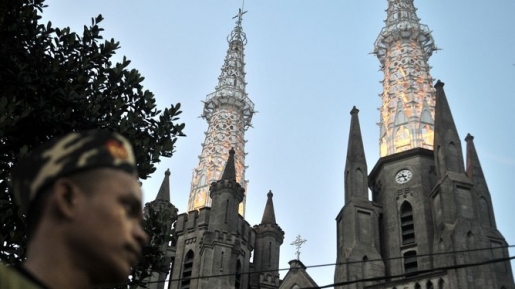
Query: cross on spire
{"x": 298, "y": 243}
{"x": 240, "y": 14}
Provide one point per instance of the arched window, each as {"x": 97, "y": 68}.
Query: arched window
{"x": 237, "y": 279}
{"x": 410, "y": 263}
{"x": 269, "y": 254}
{"x": 471, "y": 245}
{"x": 498, "y": 253}
{"x": 366, "y": 270}
{"x": 187, "y": 269}
{"x": 407, "y": 226}
{"x": 360, "y": 183}
{"x": 417, "y": 286}
{"x": 364, "y": 267}
{"x": 441, "y": 284}
{"x": 485, "y": 213}
{"x": 429, "y": 285}
{"x": 226, "y": 210}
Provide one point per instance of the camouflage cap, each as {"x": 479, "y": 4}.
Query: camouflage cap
{"x": 63, "y": 156}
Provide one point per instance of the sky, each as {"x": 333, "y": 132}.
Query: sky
{"x": 308, "y": 63}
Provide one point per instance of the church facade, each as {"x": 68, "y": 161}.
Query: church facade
{"x": 428, "y": 224}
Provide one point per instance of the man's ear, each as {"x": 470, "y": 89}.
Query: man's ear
{"x": 65, "y": 197}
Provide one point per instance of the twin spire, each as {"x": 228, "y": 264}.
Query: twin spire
{"x": 228, "y": 111}
{"x": 403, "y": 48}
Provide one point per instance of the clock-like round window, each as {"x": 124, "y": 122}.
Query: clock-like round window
{"x": 403, "y": 176}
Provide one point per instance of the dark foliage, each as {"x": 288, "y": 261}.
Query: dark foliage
{"x": 54, "y": 81}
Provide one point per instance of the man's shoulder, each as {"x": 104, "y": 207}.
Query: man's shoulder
{"x": 10, "y": 278}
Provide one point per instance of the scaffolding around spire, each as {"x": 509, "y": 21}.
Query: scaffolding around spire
{"x": 228, "y": 111}
{"x": 231, "y": 88}
{"x": 403, "y": 48}
{"x": 402, "y": 22}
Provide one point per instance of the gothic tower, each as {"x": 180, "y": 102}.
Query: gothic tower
{"x": 161, "y": 213}
{"x": 430, "y": 223}
{"x": 214, "y": 244}
{"x": 359, "y": 243}
{"x": 269, "y": 237}
{"x": 228, "y": 112}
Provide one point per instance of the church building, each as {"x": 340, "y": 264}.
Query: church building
{"x": 429, "y": 222}
{"x": 214, "y": 244}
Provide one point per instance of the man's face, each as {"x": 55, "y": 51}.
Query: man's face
{"x": 107, "y": 232}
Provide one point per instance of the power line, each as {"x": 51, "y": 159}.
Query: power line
{"x": 417, "y": 272}
{"x": 368, "y": 261}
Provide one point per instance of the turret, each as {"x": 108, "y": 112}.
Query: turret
{"x": 162, "y": 202}
{"x": 161, "y": 214}
{"x": 269, "y": 237}
{"x": 226, "y": 195}
{"x": 358, "y": 221}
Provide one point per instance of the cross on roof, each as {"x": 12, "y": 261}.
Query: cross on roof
{"x": 298, "y": 243}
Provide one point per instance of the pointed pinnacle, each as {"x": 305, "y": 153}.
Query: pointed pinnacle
{"x": 473, "y": 166}
{"x": 230, "y": 169}
{"x": 355, "y": 161}
{"x": 269, "y": 213}
{"x": 355, "y": 149}
{"x": 164, "y": 190}
{"x": 447, "y": 143}
{"x": 443, "y": 115}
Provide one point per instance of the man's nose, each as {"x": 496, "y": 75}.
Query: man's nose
{"x": 140, "y": 235}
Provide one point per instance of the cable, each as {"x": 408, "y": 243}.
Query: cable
{"x": 402, "y": 257}
{"x": 418, "y": 272}
{"x": 361, "y": 261}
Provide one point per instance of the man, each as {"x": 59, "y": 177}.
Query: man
{"x": 82, "y": 200}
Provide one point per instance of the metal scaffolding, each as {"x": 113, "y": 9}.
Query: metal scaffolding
{"x": 228, "y": 112}
{"x": 407, "y": 112}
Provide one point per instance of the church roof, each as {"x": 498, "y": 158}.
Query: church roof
{"x": 297, "y": 275}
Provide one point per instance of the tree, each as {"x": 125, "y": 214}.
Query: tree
{"x": 159, "y": 216}
{"x": 54, "y": 81}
